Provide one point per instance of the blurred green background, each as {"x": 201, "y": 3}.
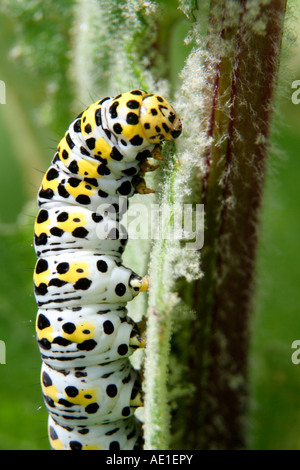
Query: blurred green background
{"x": 27, "y": 146}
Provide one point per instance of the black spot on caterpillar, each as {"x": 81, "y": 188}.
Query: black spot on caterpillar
{"x": 84, "y": 334}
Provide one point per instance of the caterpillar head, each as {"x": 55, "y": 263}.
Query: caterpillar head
{"x": 159, "y": 120}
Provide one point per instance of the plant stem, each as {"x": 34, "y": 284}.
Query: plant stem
{"x": 244, "y": 77}
{"x": 159, "y": 328}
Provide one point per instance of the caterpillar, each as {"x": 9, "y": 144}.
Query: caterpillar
{"x": 84, "y": 334}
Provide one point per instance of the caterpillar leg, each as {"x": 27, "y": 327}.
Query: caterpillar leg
{"x": 156, "y": 153}
{"x": 137, "y": 341}
{"x": 141, "y": 187}
{"x": 139, "y": 284}
{"x": 137, "y": 395}
{"x": 146, "y": 166}
{"x": 140, "y": 184}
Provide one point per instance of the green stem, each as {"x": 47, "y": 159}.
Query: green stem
{"x": 159, "y": 329}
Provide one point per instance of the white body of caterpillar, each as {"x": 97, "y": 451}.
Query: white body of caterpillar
{"x": 84, "y": 334}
